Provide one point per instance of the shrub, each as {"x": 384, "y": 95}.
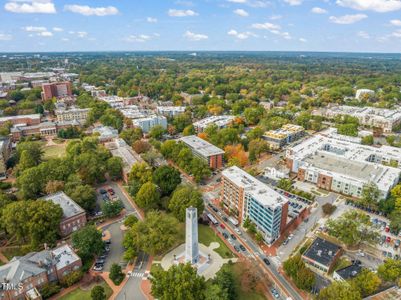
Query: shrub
{"x": 98, "y": 293}
{"x": 328, "y": 208}
{"x": 116, "y": 275}
{"x": 49, "y": 289}
{"x": 71, "y": 278}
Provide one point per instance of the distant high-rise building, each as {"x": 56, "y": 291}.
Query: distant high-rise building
{"x": 56, "y": 89}
{"x": 191, "y": 236}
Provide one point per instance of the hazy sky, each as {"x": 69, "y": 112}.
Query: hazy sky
{"x": 313, "y": 25}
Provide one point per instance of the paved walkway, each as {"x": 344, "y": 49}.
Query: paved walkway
{"x": 207, "y": 270}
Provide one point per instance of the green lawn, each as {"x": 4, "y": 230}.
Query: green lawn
{"x": 207, "y": 236}
{"x": 80, "y": 294}
{"x": 54, "y": 151}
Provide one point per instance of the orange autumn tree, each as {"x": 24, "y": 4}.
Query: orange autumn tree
{"x": 202, "y": 135}
{"x": 236, "y": 155}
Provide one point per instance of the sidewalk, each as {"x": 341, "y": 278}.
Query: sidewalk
{"x": 141, "y": 213}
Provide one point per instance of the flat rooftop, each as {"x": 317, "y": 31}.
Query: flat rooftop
{"x": 9, "y": 118}
{"x": 257, "y": 189}
{"x": 322, "y": 251}
{"x": 201, "y": 146}
{"x": 220, "y": 121}
{"x": 350, "y": 271}
{"x": 64, "y": 256}
{"x": 70, "y": 207}
{"x": 385, "y": 114}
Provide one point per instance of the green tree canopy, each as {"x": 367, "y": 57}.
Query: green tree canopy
{"x": 179, "y": 282}
{"x": 167, "y": 178}
{"x": 183, "y": 197}
{"x": 88, "y": 241}
{"x": 154, "y": 235}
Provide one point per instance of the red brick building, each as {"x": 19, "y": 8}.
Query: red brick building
{"x": 25, "y": 275}
{"x": 56, "y": 89}
{"x": 74, "y": 216}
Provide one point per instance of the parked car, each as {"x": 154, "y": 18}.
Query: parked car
{"x": 111, "y": 191}
{"x": 266, "y": 261}
{"x": 225, "y": 235}
{"x": 236, "y": 248}
{"x": 98, "y": 267}
{"x": 237, "y": 231}
{"x": 242, "y": 247}
{"x": 102, "y": 191}
{"x": 222, "y": 226}
{"x": 388, "y": 239}
{"x": 233, "y": 237}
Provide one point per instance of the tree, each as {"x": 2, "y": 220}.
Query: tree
{"x": 339, "y": 290}
{"x": 167, "y": 178}
{"x": 157, "y": 132}
{"x": 236, "y": 155}
{"x": 116, "y": 275}
{"x": 215, "y": 292}
{"x": 366, "y": 282}
{"x": 352, "y": 228}
{"x": 54, "y": 186}
{"x": 140, "y": 172}
{"x": 130, "y": 220}
{"x": 256, "y": 148}
{"x": 115, "y": 167}
{"x": 37, "y": 220}
{"x": 370, "y": 194}
{"x": 26, "y": 161}
{"x": 148, "y": 196}
{"x": 367, "y": 140}
{"x": 112, "y": 208}
{"x": 390, "y": 270}
{"x": 292, "y": 265}
{"x": 141, "y": 146}
{"x": 328, "y": 208}
{"x": 83, "y": 195}
{"x": 88, "y": 241}
{"x": 305, "y": 279}
{"x": 131, "y": 135}
{"x": 189, "y": 130}
{"x": 154, "y": 235}
{"x": 285, "y": 184}
{"x": 33, "y": 151}
{"x": 179, "y": 282}
{"x": 348, "y": 129}
{"x": 98, "y": 293}
{"x": 183, "y": 197}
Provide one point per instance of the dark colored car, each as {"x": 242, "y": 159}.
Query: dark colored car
{"x": 266, "y": 261}
{"x": 102, "y": 191}
{"x": 242, "y": 247}
{"x": 233, "y": 237}
{"x": 236, "y": 248}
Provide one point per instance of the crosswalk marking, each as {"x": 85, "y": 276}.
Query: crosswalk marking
{"x": 137, "y": 274}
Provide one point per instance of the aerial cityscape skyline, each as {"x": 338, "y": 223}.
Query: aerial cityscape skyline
{"x": 243, "y": 25}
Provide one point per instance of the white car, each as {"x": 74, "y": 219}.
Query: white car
{"x": 237, "y": 231}
{"x": 129, "y": 273}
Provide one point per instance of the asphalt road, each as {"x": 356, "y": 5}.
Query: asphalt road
{"x": 116, "y": 247}
{"x": 132, "y": 289}
{"x": 256, "y": 253}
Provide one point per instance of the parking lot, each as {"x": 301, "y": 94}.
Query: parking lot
{"x": 111, "y": 192}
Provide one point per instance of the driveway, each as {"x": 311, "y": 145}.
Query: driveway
{"x": 116, "y": 247}
{"x": 284, "y": 251}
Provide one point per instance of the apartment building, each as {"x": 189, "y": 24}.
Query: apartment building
{"x": 5, "y": 151}
{"x": 72, "y": 114}
{"x": 170, "y": 111}
{"x": 345, "y": 167}
{"x": 74, "y": 216}
{"x": 147, "y": 123}
{"x": 56, "y": 90}
{"x": 27, "y": 274}
{"x": 219, "y": 121}
{"x": 243, "y": 196}
{"x": 205, "y": 150}
{"x": 386, "y": 119}
{"x": 278, "y": 138}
